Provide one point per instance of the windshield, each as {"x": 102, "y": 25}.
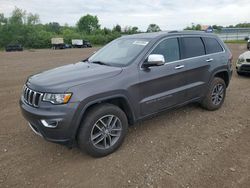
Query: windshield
{"x": 120, "y": 52}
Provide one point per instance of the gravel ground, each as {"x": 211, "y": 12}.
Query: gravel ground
{"x": 188, "y": 147}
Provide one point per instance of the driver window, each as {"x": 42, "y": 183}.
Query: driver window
{"x": 169, "y": 48}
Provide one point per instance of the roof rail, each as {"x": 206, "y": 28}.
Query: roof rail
{"x": 196, "y": 31}
{"x": 174, "y": 31}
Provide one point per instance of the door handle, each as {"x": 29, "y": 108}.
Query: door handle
{"x": 179, "y": 66}
{"x": 209, "y": 60}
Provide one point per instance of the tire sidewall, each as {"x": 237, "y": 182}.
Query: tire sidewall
{"x": 84, "y": 135}
{"x": 215, "y": 82}
{"x": 207, "y": 102}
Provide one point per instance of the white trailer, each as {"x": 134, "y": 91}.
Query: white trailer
{"x": 57, "y": 43}
{"x": 77, "y": 43}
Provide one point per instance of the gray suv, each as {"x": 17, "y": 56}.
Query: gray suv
{"x": 91, "y": 103}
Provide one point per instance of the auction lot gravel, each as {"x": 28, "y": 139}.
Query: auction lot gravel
{"x": 188, "y": 147}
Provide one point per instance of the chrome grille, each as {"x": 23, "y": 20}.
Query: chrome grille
{"x": 32, "y": 97}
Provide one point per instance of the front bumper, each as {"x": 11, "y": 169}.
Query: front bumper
{"x": 243, "y": 68}
{"x": 63, "y": 133}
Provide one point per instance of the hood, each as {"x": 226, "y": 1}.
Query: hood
{"x": 245, "y": 55}
{"x": 62, "y": 78}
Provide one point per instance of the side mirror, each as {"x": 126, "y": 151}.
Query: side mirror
{"x": 154, "y": 60}
{"x": 246, "y": 38}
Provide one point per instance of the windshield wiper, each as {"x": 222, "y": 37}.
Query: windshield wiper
{"x": 100, "y": 63}
{"x": 85, "y": 60}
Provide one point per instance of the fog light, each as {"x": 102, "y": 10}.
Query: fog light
{"x": 49, "y": 123}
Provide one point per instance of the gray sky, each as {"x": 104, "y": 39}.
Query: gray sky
{"x": 169, "y": 15}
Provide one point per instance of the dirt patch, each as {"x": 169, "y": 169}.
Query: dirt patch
{"x": 188, "y": 147}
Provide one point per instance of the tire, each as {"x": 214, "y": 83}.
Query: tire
{"x": 111, "y": 137}
{"x": 212, "y": 101}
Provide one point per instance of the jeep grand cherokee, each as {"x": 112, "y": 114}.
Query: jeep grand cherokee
{"x": 91, "y": 103}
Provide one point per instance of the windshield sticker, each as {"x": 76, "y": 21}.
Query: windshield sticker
{"x": 143, "y": 43}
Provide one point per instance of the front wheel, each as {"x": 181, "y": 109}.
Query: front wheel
{"x": 215, "y": 95}
{"x": 103, "y": 130}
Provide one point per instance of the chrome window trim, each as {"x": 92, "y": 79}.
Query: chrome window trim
{"x": 223, "y": 49}
{"x": 181, "y": 60}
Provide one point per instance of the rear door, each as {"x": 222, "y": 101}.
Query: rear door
{"x": 163, "y": 86}
{"x": 198, "y": 64}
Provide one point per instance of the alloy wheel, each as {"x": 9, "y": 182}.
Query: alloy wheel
{"x": 217, "y": 94}
{"x": 106, "y": 132}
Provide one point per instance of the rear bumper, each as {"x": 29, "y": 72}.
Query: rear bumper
{"x": 63, "y": 133}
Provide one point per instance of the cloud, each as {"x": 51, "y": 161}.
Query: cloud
{"x": 168, "y": 15}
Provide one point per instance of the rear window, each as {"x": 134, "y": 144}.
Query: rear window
{"x": 192, "y": 47}
{"x": 212, "y": 45}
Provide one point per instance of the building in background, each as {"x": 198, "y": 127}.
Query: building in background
{"x": 207, "y": 28}
{"x": 227, "y": 34}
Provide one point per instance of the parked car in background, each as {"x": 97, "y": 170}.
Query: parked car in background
{"x": 247, "y": 38}
{"x": 67, "y": 46}
{"x": 91, "y": 103}
{"x": 87, "y": 44}
{"x": 13, "y": 47}
{"x": 243, "y": 63}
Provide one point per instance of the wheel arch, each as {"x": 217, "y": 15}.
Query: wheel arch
{"x": 223, "y": 74}
{"x": 118, "y": 100}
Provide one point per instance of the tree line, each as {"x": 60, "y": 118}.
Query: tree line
{"x": 26, "y": 29}
{"x": 217, "y": 27}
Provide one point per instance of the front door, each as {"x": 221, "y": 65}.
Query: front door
{"x": 163, "y": 86}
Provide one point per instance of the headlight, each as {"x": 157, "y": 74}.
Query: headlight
{"x": 241, "y": 60}
{"x": 57, "y": 98}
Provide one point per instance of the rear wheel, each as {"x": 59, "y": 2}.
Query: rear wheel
{"x": 103, "y": 130}
{"x": 215, "y": 95}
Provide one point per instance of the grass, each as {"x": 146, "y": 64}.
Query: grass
{"x": 236, "y": 41}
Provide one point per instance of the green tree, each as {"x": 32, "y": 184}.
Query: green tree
{"x": 135, "y": 29}
{"x": 117, "y": 28}
{"x": 194, "y": 27}
{"x": 33, "y": 19}
{"x": 217, "y": 27}
{"x": 53, "y": 27}
{"x": 243, "y": 25}
{"x": 18, "y": 17}
{"x": 69, "y": 34}
{"x": 131, "y": 30}
{"x": 3, "y": 20}
{"x": 153, "y": 28}
{"x": 88, "y": 23}
{"x": 106, "y": 31}
{"x": 198, "y": 27}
